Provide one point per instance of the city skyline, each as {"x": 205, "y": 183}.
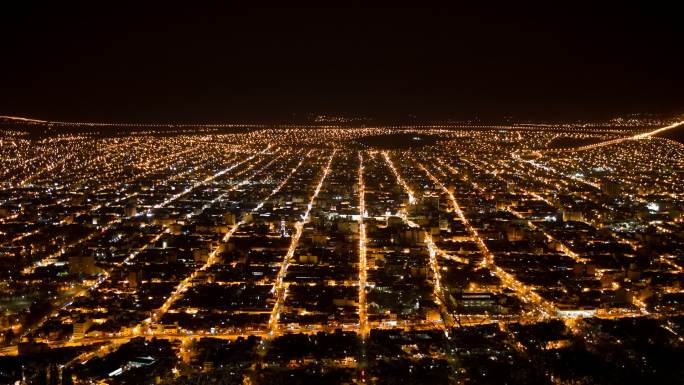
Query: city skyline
{"x": 210, "y": 194}
{"x": 341, "y": 254}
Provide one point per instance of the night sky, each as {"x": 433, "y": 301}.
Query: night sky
{"x": 209, "y": 63}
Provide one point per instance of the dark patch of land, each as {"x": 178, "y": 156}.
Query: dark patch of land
{"x": 676, "y": 134}
{"x": 571, "y": 142}
{"x": 399, "y": 141}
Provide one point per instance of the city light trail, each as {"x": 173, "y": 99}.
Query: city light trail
{"x": 668, "y": 325}
{"x": 545, "y": 168}
{"x": 67, "y": 302}
{"x": 92, "y": 209}
{"x": 213, "y": 256}
{"x": 494, "y": 211}
{"x": 212, "y": 259}
{"x": 96, "y": 207}
{"x": 564, "y": 248}
{"x": 282, "y": 183}
{"x": 638, "y": 303}
{"x": 440, "y": 297}
{"x": 159, "y": 164}
{"x": 279, "y": 287}
{"x": 51, "y": 258}
{"x": 238, "y": 185}
{"x": 644, "y": 135}
{"x": 665, "y": 258}
{"x": 526, "y": 293}
{"x": 488, "y": 258}
{"x": 583, "y": 196}
{"x": 54, "y": 165}
{"x": 203, "y": 182}
{"x": 10, "y": 218}
{"x": 438, "y": 290}
{"x": 22, "y": 119}
{"x": 411, "y": 195}
{"x": 89, "y": 288}
{"x": 119, "y": 338}
{"x": 363, "y": 264}
{"x": 182, "y": 286}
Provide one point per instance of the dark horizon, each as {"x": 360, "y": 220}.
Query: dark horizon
{"x": 217, "y": 64}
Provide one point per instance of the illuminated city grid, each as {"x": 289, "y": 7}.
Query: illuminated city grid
{"x": 190, "y": 254}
